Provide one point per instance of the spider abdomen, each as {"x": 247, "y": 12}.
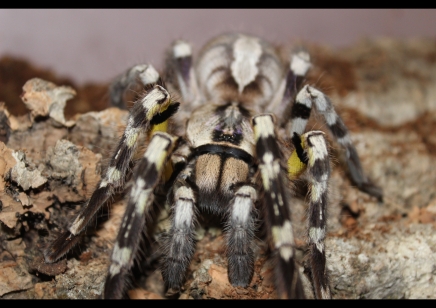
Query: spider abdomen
{"x": 239, "y": 67}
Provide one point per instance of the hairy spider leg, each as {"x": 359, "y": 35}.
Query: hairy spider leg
{"x": 154, "y": 108}
{"x": 291, "y": 84}
{"x": 277, "y": 203}
{"x": 311, "y": 151}
{"x": 240, "y": 229}
{"x": 145, "y": 177}
{"x": 300, "y": 114}
{"x": 180, "y": 245}
{"x": 180, "y": 72}
{"x": 136, "y": 77}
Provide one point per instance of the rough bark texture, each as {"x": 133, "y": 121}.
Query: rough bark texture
{"x": 51, "y": 160}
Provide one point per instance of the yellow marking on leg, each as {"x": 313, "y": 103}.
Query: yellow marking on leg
{"x": 161, "y": 127}
{"x": 295, "y": 166}
{"x": 167, "y": 168}
{"x": 149, "y": 102}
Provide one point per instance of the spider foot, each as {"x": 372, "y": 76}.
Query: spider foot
{"x": 241, "y": 269}
{"x": 172, "y": 293}
{"x": 60, "y": 246}
{"x": 372, "y": 190}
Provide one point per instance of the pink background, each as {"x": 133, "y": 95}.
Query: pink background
{"x": 94, "y": 45}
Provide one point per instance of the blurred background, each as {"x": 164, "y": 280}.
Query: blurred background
{"x": 94, "y": 45}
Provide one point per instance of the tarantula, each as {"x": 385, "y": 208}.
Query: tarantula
{"x": 232, "y": 149}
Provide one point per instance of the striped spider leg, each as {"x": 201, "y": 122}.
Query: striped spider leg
{"x": 311, "y": 154}
{"x": 308, "y": 97}
{"x": 154, "y": 108}
{"x": 148, "y": 115}
{"x": 277, "y": 199}
{"x": 138, "y": 212}
{"x": 132, "y": 81}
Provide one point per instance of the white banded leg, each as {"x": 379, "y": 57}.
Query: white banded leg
{"x": 135, "y": 78}
{"x": 298, "y": 67}
{"x": 146, "y": 176}
{"x": 180, "y": 245}
{"x": 318, "y": 170}
{"x": 300, "y": 115}
{"x": 277, "y": 204}
{"x": 155, "y": 107}
{"x": 300, "y": 64}
{"x": 180, "y": 68}
{"x": 240, "y": 227}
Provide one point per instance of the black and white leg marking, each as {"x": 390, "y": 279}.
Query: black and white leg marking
{"x": 180, "y": 65}
{"x": 240, "y": 228}
{"x": 146, "y": 176}
{"x": 300, "y": 64}
{"x": 300, "y": 115}
{"x": 155, "y": 107}
{"x": 274, "y": 177}
{"x": 298, "y": 67}
{"x": 180, "y": 245}
{"x": 318, "y": 171}
{"x": 137, "y": 76}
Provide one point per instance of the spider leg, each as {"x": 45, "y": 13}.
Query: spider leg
{"x": 300, "y": 115}
{"x": 139, "y": 76}
{"x": 180, "y": 72}
{"x": 240, "y": 228}
{"x": 154, "y": 108}
{"x": 300, "y": 64}
{"x": 180, "y": 244}
{"x": 277, "y": 207}
{"x": 311, "y": 149}
{"x": 298, "y": 67}
{"x": 146, "y": 176}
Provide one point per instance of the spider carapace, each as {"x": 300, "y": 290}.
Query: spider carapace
{"x": 232, "y": 146}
